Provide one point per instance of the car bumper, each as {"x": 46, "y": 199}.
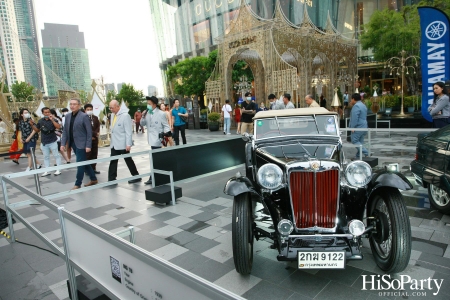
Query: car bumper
{"x": 337, "y": 242}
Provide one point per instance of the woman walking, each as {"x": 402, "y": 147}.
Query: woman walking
{"x": 16, "y": 145}
{"x": 169, "y": 140}
{"x": 58, "y": 132}
{"x": 29, "y": 136}
{"x": 440, "y": 109}
{"x": 237, "y": 117}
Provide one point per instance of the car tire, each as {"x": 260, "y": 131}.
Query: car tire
{"x": 391, "y": 246}
{"x": 242, "y": 233}
{"x": 439, "y": 199}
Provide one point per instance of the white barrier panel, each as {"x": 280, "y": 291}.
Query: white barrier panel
{"x": 125, "y": 271}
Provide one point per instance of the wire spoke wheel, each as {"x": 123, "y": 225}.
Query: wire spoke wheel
{"x": 391, "y": 239}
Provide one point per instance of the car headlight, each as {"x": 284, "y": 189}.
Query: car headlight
{"x": 270, "y": 176}
{"x": 358, "y": 173}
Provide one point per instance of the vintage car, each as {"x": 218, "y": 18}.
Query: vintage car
{"x": 431, "y": 167}
{"x": 319, "y": 206}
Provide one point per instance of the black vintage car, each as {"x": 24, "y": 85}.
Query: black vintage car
{"x": 319, "y": 206}
{"x": 431, "y": 167}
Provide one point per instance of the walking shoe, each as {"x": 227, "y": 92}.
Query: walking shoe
{"x": 27, "y": 169}
{"x": 75, "y": 187}
{"x": 148, "y": 181}
{"x": 58, "y": 172}
{"x": 224, "y": 132}
{"x": 38, "y": 167}
{"x": 45, "y": 174}
{"x": 96, "y": 172}
{"x": 92, "y": 182}
{"x": 15, "y": 161}
{"x": 134, "y": 180}
{"x": 228, "y": 133}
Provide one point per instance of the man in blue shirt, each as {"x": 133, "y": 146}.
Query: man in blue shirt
{"x": 358, "y": 119}
{"x": 178, "y": 123}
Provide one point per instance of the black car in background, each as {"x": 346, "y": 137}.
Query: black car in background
{"x": 431, "y": 167}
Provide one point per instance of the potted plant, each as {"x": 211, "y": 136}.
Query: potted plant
{"x": 213, "y": 121}
{"x": 408, "y": 102}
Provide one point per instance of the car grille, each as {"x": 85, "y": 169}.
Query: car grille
{"x": 314, "y": 198}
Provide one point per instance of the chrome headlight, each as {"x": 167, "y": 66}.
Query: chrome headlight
{"x": 270, "y": 176}
{"x": 358, "y": 173}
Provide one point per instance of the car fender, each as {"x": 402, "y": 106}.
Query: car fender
{"x": 388, "y": 179}
{"x": 238, "y": 185}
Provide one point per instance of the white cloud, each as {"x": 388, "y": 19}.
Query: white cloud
{"x": 117, "y": 33}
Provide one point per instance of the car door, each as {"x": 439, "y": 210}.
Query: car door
{"x": 433, "y": 152}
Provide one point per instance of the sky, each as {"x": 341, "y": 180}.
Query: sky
{"x": 118, "y": 35}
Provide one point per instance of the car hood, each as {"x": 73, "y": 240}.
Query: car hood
{"x": 293, "y": 150}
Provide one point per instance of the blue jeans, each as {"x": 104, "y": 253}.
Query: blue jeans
{"x": 53, "y": 147}
{"x": 226, "y": 125}
{"x": 358, "y": 139}
{"x": 81, "y": 156}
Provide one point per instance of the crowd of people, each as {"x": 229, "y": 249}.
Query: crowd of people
{"x": 78, "y": 130}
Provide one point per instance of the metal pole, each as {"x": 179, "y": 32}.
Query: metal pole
{"x": 150, "y": 158}
{"x": 132, "y": 236}
{"x": 36, "y": 176}
{"x": 70, "y": 270}
{"x": 403, "y": 82}
{"x": 370, "y": 145}
{"x": 360, "y": 152}
{"x": 8, "y": 213}
{"x": 172, "y": 189}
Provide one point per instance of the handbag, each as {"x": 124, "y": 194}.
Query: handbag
{"x": 184, "y": 119}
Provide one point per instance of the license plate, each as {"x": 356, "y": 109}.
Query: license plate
{"x": 321, "y": 260}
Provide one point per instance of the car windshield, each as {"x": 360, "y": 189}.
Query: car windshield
{"x": 293, "y": 126}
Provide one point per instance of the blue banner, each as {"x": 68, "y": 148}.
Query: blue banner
{"x": 434, "y": 52}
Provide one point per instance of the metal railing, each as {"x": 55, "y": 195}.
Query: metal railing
{"x": 187, "y": 281}
{"x": 389, "y": 130}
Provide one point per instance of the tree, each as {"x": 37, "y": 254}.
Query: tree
{"x": 22, "y": 91}
{"x": 389, "y": 32}
{"x": 130, "y": 95}
{"x": 83, "y": 96}
{"x": 111, "y": 95}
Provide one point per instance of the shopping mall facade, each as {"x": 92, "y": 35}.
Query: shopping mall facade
{"x": 189, "y": 28}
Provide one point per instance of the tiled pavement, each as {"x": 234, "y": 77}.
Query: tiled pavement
{"x": 195, "y": 234}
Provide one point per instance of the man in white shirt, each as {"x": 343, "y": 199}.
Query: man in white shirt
{"x": 226, "y": 112}
{"x": 286, "y": 104}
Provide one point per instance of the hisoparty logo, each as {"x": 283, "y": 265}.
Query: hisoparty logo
{"x": 404, "y": 286}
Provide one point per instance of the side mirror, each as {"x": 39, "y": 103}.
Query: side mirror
{"x": 246, "y": 137}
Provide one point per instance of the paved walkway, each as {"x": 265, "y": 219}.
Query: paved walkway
{"x": 195, "y": 234}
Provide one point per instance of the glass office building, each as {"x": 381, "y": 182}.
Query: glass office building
{"x": 187, "y": 28}
{"x": 64, "y": 54}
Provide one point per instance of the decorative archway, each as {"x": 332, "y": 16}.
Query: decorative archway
{"x": 281, "y": 55}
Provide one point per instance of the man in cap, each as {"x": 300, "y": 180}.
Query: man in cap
{"x": 156, "y": 122}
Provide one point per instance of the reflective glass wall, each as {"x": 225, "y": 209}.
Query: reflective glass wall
{"x": 196, "y": 24}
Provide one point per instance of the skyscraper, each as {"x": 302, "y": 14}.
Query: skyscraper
{"x": 152, "y": 90}
{"x": 10, "y": 45}
{"x": 65, "y": 54}
{"x": 29, "y": 43}
{"x": 119, "y": 86}
{"x": 109, "y": 87}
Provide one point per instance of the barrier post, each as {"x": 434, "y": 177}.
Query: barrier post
{"x": 150, "y": 158}
{"x": 172, "y": 189}
{"x": 70, "y": 270}
{"x": 36, "y": 176}
{"x": 8, "y": 213}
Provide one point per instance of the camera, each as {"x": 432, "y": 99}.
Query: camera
{"x": 161, "y": 135}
